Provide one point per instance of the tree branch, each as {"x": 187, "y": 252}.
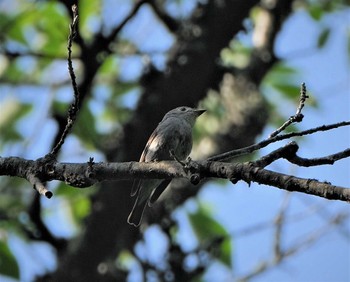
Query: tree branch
{"x": 86, "y": 174}
{"x": 74, "y": 107}
{"x": 247, "y": 150}
{"x": 166, "y": 19}
{"x": 298, "y": 117}
{"x": 289, "y": 151}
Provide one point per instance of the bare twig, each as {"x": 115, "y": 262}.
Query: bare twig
{"x": 40, "y": 232}
{"x": 265, "y": 225}
{"x": 289, "y": 151}
{"x": 39, "y": 186}
{"x": 331, "y": 159}
{"x": 168, "y": 21}
{"x": 301, "y": 244}
{"x": 279, "y": 225}
{"x": 74, "y": 107}
{"x": 314, "y": 236}
{"x": 247, "y": 150}
{"x": 132, "y": 13}
{"x": 298, "y": 117}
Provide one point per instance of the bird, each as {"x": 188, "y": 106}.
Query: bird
{"x": 171, "y": 139}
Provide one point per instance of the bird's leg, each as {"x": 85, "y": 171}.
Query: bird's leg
{"x": 189, "y": 166}
{"x": 186, "y": 164}
{"x": 172, "y": 154}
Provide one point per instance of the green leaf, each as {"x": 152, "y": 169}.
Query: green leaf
{"x": 288, "y": 90}
{"x": 8, "y": 263}
{"x": 53, "y": 25}
{"x": 16, "y": 29}
{"x": 204, "y": 225}
{"x": 109, "y": 66}
{"x": 80, "y": 205}
{"x": 43, "y": 27}
{"x": 81, "y": 208}
{"x": 209, "y": 231}
{"x": 280, "y": 73}
{"x": 226, "y": 251}
{"x": 284, "y": 80}
{"x": 316, "y": 12}
{"x": 60, "y": 108}
{"x": 13, "y": 72}
{"x": 284, "y": 69}
{"x": 323, "y": 37}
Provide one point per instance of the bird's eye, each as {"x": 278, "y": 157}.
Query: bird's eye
{"x": 183, "y": 109}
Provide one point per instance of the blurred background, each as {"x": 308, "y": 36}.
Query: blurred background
{"x": 244, "y": 62}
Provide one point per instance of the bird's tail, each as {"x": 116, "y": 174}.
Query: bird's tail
{"x": 136, "y": 213}
{"x": 144, "y": 190}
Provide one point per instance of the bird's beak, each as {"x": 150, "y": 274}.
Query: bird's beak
{"x": 199, "y": 112}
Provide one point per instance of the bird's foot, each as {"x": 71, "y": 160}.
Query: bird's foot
{"x": 172, "y": 154}
{"x": 188, "y": 163}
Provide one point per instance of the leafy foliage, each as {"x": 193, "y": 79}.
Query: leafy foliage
{"x": 8, "y": 263}
{"x": 212, "y": 235}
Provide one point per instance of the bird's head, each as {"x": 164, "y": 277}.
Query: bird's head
{"x": 186, "y": 113}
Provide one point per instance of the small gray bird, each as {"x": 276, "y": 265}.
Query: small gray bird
{"x": 173, "y": 133}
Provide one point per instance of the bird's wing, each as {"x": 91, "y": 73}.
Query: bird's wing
{"x": 154, "y": 141}
{"x": 145, "y": 156}
{"x": 157, "y": 148}
{"x": 163, "y": 139}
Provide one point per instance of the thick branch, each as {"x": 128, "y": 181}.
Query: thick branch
{"x": 87, "y": 174}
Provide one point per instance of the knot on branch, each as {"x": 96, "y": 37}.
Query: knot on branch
{"x": 224, "y": 173}
{"x": 289, "y": 150}
{"x": 252, "y": 172}
{"x": 297, "y": 118}
{"x": 45, "y": 165}
{"x": 193, "y": 170}
{"x": 77, "y": 180}
{"x": 195, "y": 178}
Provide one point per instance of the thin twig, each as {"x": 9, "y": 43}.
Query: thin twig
{"x": 74, "y": 107}
{"x": 298, "y": 117}
{"x": 132, "y": 13}
{"x": 279, "y": 227}
{"x": 331, "y": 159}
{"x": 166, "y": 19}
{"x": 247, "y": 150}
{"x": 289, "y": 151}
{"x": 298, "y": 246}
